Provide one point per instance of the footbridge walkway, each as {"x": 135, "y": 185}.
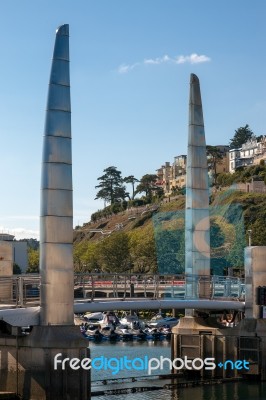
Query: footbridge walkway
{"x": 24, "y": 290}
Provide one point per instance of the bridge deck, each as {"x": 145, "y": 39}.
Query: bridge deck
{"x": 24, "y": 290}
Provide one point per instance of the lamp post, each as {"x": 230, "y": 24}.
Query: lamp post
{"x": 249, "y": 237}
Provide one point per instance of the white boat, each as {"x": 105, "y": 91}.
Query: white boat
{"x": 158, "y": 321}
{"x": 124, "y": 332}
{"x": 110, "y": 319}
{"x": 131, "y": 321}
{"x": 94, "y": 318}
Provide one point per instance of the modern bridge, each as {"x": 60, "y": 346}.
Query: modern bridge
{"x": 107, "y": 292}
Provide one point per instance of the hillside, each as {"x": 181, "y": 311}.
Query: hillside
{"x": 151, "y": 238}
{"x": 125, "y": 221}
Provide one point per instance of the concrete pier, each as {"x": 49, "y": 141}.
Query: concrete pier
{"x": 197, "y": 337}
{"x": 27, "y": 364}
{"x": 6, "y": 270}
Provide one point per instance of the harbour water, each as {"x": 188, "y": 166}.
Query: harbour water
{"x": 227, "y": 391}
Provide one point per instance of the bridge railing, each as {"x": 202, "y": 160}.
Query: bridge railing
{"x": 24, "y": 290}
{"x": 20, "y": 290}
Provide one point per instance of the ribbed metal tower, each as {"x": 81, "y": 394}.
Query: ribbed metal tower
{"x": 197, "y": 226}
{"x": 56, "y": 222}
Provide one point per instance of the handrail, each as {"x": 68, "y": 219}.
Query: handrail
{"x": 24, "y": 290}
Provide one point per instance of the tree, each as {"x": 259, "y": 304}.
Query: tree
{"x": 33, "y": 257}
{"x": 131, "y": 179}
{"x": 241, "y": 136}
{"x": 169, "y": 232}
{"x": 142, "y": 250}
{"x": 16, "y": 269}
{"x": 120, "y": 194}
{"x": 148, "y": 185}
{"x": 111, "y": 186}
{"x": 170, "y": 246}
{"x": 86, "y": 257}
{"x": 114, "y": 253}
{"x": 214, "y": 156}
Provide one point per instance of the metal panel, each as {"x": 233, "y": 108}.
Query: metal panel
{"x": 198, "y": 154}
{"x": 57, "y": 149}
{"x": 196, "y": 115}
{"x": 56, "y": 229}
{"x": 195, "y": 97}
{"x": 57, "y": 176}
{"x": 60, "y": 73}
{"x": 58, "y": 98}
{"x": 61, "y": 48}
{"x": 56, "y": 255}
{"x": 56, "y": 202}
{"x": 198, "y": 178}
{"x": 197, "y": 133}
{"x": 58, "y": 123}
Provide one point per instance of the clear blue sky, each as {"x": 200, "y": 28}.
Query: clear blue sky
{"x": 130, "y": 68}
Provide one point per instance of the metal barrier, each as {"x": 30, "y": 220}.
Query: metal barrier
{"x": 20, "y": 290}
{"x": 24, "y": 290}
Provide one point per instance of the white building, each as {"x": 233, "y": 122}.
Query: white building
{"x": 234, "y": 156}
{"x": 249, "y": 154}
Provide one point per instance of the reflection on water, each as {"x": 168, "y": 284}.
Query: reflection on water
{"x": 228, "y": 391}
{"x": 130, "y": 349}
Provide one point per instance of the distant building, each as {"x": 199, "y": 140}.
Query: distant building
{"x": 261, "y": 151}
{"x": 19, "y": 249}
{"x": 223, "y": 164}
{"x": 164, "y": 175}
{"x": 234, "y": 156}
{"x": 178, "y": 178}
{"x": 173, "y": 177}
{"x": 251, "y": 153}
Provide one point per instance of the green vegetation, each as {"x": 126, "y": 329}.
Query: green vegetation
{"x": 114, "y": 192}
{"x": 256, "y": 172}
{"x": 111, "y": 186}
{"x": 148, "y": 186}
{"x": 131, "y": 179}
{"x": 16, "y": 269}
{"x": 142, "y": 250}
{"x": 241, "y": 136}
{"x": 154, "y": 241}
{"x": 214, "y": 157}
{"x": 33, "y": 261}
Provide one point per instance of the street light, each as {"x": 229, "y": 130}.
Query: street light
{"x": 249, "y": 237}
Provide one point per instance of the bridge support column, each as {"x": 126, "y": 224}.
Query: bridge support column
{"x": 6, "y": 270}
{"x": 255, "y": 276}
{"x": 27, "y": 364}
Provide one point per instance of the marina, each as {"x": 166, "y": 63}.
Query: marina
{"x": 107, "y": 326}
{"x": 107, "y": 386}
{"x": 148, "y": 315}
